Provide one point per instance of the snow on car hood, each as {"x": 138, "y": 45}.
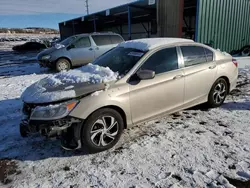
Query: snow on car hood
{"x": 68, "y": 85}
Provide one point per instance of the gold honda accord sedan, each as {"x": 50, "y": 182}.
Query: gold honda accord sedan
{"x": 134, "y": 82}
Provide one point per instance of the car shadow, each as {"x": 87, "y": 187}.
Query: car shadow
{"x": 227, "y": 105}
{"x": 201, "y": 107}
{"x": 236, "y": 106}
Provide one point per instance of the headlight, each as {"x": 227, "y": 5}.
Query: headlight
{"x": 53, "y": 112}
{"x": 46, "y": 57}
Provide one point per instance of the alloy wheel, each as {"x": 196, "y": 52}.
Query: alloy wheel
{"x": 63, "y": 65}
{"x": 220, "y": 92}
{"x": 104, "y": 131}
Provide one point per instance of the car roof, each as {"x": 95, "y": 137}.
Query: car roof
{"x": 152, "y": 43}
{"x": 95, "y": 33}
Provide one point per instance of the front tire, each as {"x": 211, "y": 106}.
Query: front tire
{"x": 102, "y": 130}
{"x": 218, "y": 93}
{"x": 23, "y": 130}
{"x": 63, "y": 65}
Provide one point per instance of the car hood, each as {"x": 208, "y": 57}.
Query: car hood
{"x": 47, "y": 51}
{"x": 68, "y": 85}
{"x": 40, "y": 92}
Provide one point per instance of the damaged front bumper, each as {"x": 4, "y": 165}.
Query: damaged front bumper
{"x": 46, "y": 63}
{"x": 67, "y": 129}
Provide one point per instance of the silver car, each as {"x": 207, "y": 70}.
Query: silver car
{"x": 78, "y": 50}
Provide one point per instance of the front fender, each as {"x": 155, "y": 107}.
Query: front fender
{"x": 113, "y": 97}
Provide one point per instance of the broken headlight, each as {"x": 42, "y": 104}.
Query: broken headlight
{"x": 53, "y": 112}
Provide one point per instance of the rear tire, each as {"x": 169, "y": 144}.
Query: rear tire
{"x": 218, "y": 93}
{"x": 63, "y": 65}
{"x": 102, "y": 130}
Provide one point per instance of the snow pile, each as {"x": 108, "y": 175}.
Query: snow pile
{"x": 149, "y": 44}
{"x": 88, "y": 73}
{"x": 37, "y": 93}
{"x": 61, "y": 85}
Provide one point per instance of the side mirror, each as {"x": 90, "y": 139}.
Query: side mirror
{"x": 145, "y": 74}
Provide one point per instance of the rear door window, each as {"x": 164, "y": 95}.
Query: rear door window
{"x": 116, "y": 39}
{"x": 102, "y": 40}
{"x": 193, "y": 55}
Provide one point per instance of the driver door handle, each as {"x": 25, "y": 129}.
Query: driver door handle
{"x": 212, "y": 67}
{"x": 178, "y": 77}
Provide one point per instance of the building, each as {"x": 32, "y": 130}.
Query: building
{"x": 223, "y": 24}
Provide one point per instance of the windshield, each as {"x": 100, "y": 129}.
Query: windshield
{"x": 120, "y": 59}
{"x": 68, "y": 40}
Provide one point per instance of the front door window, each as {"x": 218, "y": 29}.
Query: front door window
{"x": 162, "y": 61}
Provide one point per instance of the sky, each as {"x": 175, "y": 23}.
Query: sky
{"x": 48, "y": 13}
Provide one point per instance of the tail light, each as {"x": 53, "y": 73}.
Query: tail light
{"x": 235, "y": 62}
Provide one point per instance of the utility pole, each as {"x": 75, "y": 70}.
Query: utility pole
{"x": 87, "y": 6}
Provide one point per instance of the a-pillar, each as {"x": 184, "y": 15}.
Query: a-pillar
{"x": 129, "y": 23}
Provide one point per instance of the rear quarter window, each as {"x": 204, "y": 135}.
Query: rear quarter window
{"x": 102, "y": 40}
{"x": 209, "y": 54}
{"x": 116, "y": 39}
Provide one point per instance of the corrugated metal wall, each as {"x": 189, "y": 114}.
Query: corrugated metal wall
{"x": 224, "y": 24}
{"x": 170, "y": 17}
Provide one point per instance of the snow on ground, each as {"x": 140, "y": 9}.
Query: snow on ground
{"x": 17, "y": 39}
{"x": 25, "y": 37}
{"x": 7, "y": 56}
{"x": 244, "y": 62}
{"x": 192, "y": 148}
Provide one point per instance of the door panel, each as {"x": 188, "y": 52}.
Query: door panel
{"x": 150, "y": 98}
{"x": 81, "y": 56}
{"x": 198, "y": 81}
{"x": 199, "y": 73}
{"x": 82, "y": 53}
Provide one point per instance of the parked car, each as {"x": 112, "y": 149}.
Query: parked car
{"x": 29, "y": 46}
{"x": 244, "y": 51}
{"x": 156, "y": 77}
{"x": 78, "y": 50}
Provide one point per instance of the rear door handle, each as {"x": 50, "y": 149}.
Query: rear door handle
{"x": 91, "y": 49}
{"x": 212, "y": 67}
{"x": 178, "y": 77}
